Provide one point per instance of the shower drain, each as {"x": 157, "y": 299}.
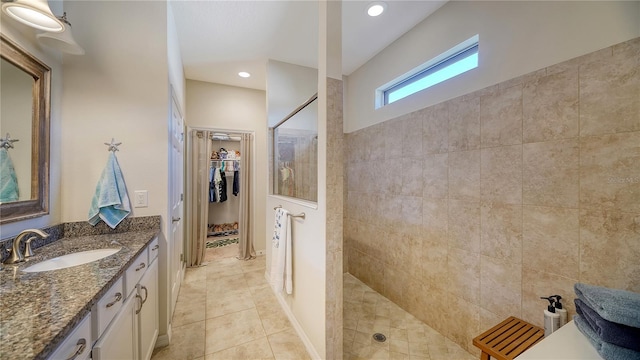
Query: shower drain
{"x": 379, "y": 337}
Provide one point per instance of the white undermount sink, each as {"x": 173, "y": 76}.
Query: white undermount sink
{"x": 69, "y": 260}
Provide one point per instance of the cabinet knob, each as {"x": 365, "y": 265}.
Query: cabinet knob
{"x": 118, "y": 298}
{"x": 155, "y": 247}
{"x": 141, "y": 266}
{"x": 80, "y": 346}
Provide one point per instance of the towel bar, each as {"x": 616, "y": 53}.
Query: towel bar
{"x": 301, "y": 215}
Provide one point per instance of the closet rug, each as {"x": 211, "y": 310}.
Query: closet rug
{"x": 221, "y": 242}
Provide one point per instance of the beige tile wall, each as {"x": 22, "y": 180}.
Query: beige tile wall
{"x": 335, "y": 208}
{"x": 468, "y": 211}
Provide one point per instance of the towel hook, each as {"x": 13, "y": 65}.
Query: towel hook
{"x": 7, "y": 142}
{"x": 113, "y": 146}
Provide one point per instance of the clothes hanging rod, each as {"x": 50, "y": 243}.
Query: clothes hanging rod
{"x": 301, "y": 215}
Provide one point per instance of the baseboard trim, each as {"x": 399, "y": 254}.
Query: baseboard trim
{"x": 294, "y": 322}
{"x": 164, "y": 339}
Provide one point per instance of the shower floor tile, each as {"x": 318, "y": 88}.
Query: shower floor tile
{"x": 366, "y": 312}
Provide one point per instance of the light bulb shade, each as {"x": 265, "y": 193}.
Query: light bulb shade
{"x": 34, "y": 13}
{"x": 61, "y": 41}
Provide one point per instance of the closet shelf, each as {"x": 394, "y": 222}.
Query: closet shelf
{"x": 223, "y": 233}
{"x": 212, "y": 160}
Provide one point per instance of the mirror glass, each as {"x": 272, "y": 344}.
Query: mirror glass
{"x": 16, "y": 88}
{"x": 24, "y": 134}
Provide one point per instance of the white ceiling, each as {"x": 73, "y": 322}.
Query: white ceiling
{"x": 220, "y": 38}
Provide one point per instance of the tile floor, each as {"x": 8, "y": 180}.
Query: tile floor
{"x": 366, "y": 312}
{"x": 226, "y": 310}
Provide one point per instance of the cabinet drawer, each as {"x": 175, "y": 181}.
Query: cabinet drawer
{"x": 107, "y": 307}
{"x": 78, "y": 343}
{"x": 154, "y": 249}
{"x": 136, "y": 270}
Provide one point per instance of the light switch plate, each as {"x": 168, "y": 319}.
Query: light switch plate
{"x": 141, "y": 198}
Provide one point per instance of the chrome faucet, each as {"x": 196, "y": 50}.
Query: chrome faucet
{"x": 16, "y": 256}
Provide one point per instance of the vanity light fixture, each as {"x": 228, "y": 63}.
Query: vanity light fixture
{"x": 244, "y": 74}
{"x": 62, "y": 41}
{"x": 376, "y": 8}
{"x": 34, "y": 13}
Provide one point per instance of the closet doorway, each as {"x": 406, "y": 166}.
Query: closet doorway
{"x": 219, "y": 205}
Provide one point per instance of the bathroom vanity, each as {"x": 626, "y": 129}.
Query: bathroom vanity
{"x": 107, "y": 308}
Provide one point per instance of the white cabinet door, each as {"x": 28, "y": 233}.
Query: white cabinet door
{"x": 119, "y": 341}
{"x": 77, "y": 345}
{"x": 148, "y": 315}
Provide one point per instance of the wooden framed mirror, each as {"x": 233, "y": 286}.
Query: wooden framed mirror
{"x": 25, "y": 93}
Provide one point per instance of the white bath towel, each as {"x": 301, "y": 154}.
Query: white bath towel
{"x": 280, "y": 275}
{"x": 110, "y": 202}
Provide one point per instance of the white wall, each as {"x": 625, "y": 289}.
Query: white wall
{"x": 308, "y": 253}
{"x": 223, "y": 107}
{"x": 516, "y": 37}
{"x": 176, "y": 72}
{"x": 25, "y": 37}
{"x": 305, "y": 119}
{"x": 118, "y": 89}
{"x": 288, "y": 86}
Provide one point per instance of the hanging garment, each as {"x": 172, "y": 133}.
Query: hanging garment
{"x": 217, "y": 180}
{"x": 236, "y": 183}
{"x": 212, "y": 185}
{"x": 223, "y": 187}
{"x": 231, "y": 166}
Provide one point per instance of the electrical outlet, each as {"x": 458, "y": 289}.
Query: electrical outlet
{"x": 141, "y": 198}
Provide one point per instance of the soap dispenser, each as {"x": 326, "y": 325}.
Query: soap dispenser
{"x": 551, "y": 318}
{"x": 559, "y": 309}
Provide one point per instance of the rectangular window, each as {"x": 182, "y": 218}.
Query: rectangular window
{"x": 451, "y": 63}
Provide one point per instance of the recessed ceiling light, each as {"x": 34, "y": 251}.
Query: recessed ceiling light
{"x": 244, "y": 74}
{"x": 376, "y": 8}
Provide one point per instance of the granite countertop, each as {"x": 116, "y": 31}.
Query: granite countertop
{"x": 38, "y": 310}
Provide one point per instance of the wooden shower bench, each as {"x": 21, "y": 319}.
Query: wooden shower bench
{"x": 508, "y": 339}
